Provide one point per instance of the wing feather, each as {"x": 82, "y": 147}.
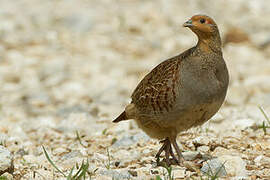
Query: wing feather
{"x": 157, "y": 92}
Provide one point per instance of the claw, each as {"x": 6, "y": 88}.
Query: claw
{"x": 167, "y": 148}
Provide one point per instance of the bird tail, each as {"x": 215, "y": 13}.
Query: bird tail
{"x": 121, "y": 117}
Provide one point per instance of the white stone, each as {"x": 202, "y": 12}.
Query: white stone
{"x": 258, "y": 159}
{"x": 146, "y": 151}
{"x": 31, "y": 158}
{"x": 201, "y": 140}
{"x": 219, "y": 151}
{"x": 235, "y": 165}
{"x": 59, "y": 151}
{"x": 217, "y": 118}
{"x": 203, "y": 149}
{"x": 5, "y": 159}
{"x": 179, "y": 173}
{"x": 8, "y": 176}
{"x": 244, "y": 123}
{"x": 214, "y": 167}
{"x": 100, "y": 157}
{"x": 190, "y": 155}
{"x": 262, "y": 160}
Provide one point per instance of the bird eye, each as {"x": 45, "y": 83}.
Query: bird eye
{"x": 202, "y": 21}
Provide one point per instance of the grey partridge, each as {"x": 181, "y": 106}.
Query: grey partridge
{"x": 182, "y": 92}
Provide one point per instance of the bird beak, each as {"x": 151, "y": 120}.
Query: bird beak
{"x": 188, "y": 23}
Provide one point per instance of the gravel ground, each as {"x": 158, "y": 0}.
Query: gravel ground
{"x": 67, "y": 68}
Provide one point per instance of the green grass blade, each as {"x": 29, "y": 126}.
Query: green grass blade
{"x": 264, "y": 114}
{"x": 80, "y": 169}
{"x": 84, "y": 169}
{"x": 51, "y": 162}
{"x": 69, "y": 177}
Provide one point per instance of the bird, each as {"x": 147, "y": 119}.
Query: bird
{"x": 181, "y": 92}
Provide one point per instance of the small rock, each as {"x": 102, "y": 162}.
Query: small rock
{"x": 262, "y": 160}
{"x": 125, "y": 141}
{"x": 190, "y": 166}
{"x": 71, "y": 154}
{"x": 30, "y": 158}
{"x": 244, "y": 123}
{"x": 219, "y": 151}
{"x": 100, "y": 157}
{"x": 235, "y": 165}
{"x": 201, "y": 140}
{"x": 191, "y": 155}
{"x": 121, "y": 127}
{"x": 146, "y": 151}
{"x": 130, "y": 140}
{"x": 116, "y": 174}
{"x": 179, "y": 173}
{"x": 6, "y": 161}
{"x": 41, "y": 173}
{"x": 21, "y": 152}
{"x": 103, "y": 177}
{"x": 217, "y": 118}
{"x": 69, "y": 163}
{"x": 214, "y": 167}
{"x": 59, "y": 151}
{"x": 141, "y": 136}
{"x": 203, "y": 149}
{"x": 133, "y": 173}
{"x": 7, "y": 176}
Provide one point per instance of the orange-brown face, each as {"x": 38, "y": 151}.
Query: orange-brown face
{"x": 201, "y": 23}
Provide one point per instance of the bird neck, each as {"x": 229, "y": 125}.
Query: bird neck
{"x": 209, "y": 44}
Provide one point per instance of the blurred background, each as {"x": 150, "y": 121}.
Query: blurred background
{"x": 71, "y": 65}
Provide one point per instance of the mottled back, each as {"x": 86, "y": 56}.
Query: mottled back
{"x": 157, "y": 92}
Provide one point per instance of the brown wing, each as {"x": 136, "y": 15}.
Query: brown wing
{"x": 157, "y": 92}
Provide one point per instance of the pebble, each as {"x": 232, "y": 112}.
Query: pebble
{"x": 214, "y": 167}
{"x": 30, "y": 158}
{"x": 203, "y": 149}
{"x": 179, "y": 173}
{"x": 191, "y": 155}
{"x": 244, "y": 123}
{"x": 262, "y": 160}
{"x": 115, "y": 174}
{"x": 7, "y": 175}
{"x": 235, "y": 165}
{"x": 71, "y": 154}
{"x": 219, "y": 151}
{"x": 59, "y": 151}
{"x": 6, "y": 161}
{"x": 217, "y": 118}
{"x": 131, "y": 140}
{"x": 201, "y": 140}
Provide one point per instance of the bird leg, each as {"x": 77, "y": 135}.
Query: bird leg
{"x": 178, "y": 152}
{"x": 173, "y": 156}
{"x": 162, "y": 148}
{"x": 167, "y": 153}
{"x": 165, "y": 142}
{"x": 167, "y": 148}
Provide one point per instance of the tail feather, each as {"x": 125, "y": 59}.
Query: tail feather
{"x": 121, "y": 117}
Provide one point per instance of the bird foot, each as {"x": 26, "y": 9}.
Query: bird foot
{"x": 167, "y": 148}
{"x": 164, "y": 162}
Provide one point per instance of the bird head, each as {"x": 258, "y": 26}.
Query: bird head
{"x": 202, "y": 25}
